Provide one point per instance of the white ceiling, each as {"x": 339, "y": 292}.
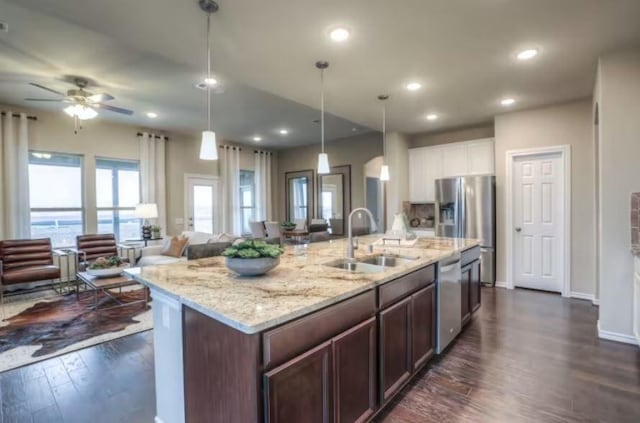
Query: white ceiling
{"x": 149, "y": 52}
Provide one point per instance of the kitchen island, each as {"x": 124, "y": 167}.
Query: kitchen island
{"x": 306, "y": 342}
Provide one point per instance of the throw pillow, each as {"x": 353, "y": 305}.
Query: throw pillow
{"x": 175, "y": 247}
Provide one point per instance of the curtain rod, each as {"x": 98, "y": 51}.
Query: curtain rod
{"x": 17, "y": 115}
{"x": 158, "y": 137}
{"x": 233, "y": 147}
{"x": 262, "y": 152}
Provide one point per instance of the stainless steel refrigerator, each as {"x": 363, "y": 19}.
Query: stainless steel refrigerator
{"x": 466, "y": 208}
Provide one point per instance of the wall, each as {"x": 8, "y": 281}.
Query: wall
{"x": 618, "y": 99}
{"x": 53, "y": 131}
{"x": 571, "y": 124}
{"x": 356, "y": 151}
{"x": 456, "y": 135}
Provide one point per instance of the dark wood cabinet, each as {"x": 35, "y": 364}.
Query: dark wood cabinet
{"x": 395, "y": 347}
{"x": 355, "y": 359}
{"x": 301, "y": 390}
{"x": 474, "y": 286}
{"x": 423, "y": 324}
{"x": 465, "y": 309}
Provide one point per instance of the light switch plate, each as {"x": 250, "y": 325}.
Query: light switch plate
{"x": 179, "y": 221}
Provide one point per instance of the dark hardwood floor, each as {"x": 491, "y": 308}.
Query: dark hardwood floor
{"x": 525, "y": 357}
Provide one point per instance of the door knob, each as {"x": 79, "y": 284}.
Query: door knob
{"x": 518, "y": 229}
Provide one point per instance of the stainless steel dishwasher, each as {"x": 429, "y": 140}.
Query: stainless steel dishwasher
{"x": 449, "y": 301}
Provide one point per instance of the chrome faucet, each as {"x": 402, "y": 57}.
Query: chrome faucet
{"x": 374, "y": 227}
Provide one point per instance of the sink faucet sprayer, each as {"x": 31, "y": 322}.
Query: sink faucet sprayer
{"x": 374, "y": 227}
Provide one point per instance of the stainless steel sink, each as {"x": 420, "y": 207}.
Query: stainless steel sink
{"x": 354, "y": 266}
{"x": 387, "y": 260}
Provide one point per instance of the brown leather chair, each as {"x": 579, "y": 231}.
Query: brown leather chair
{"x": 26, "y": 261}
{"x": 90, "y": 247}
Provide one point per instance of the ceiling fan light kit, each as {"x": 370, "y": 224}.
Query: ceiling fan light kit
{"x": 208, "y": 146}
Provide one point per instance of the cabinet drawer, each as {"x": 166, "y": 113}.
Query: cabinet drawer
{"x": 291, "y": 339}
{"x": 469, "y": 255}
{"x": 396, "y": 290}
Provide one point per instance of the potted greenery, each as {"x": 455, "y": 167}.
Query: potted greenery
{"x": 252, "y": 258}
{"x": 155, "y": 231}
{"x": 288, "y": 226}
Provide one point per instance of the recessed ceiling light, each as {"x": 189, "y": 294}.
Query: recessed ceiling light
{"x": 152, "y": 115}
{"x": 507, "y": 101}
{"x": 432, "y": 116}
{"x": 283, "y": 131}
{"x": 413, "y": 86}
{"x": 257, "y": 138}
{"x": 210, "y": 81}
{"x": 339, "y": 34}
{"x": 527, "y": 54}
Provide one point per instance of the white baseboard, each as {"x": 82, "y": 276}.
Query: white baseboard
{"x": 501, "y": 284}
{"x": 583, "y": 296}
{"x": 596, "y": 301}
{"x": 618, "y": 337}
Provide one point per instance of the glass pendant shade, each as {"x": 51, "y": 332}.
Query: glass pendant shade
{"x": 384, "y": 173}
{"x": 80, "y": 111}
{"x": 323, "y": 164}
{"x": 208, "y": 147}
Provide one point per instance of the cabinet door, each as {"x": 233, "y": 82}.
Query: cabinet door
{"x": 417, "y": 192}
{"x": 355, "y": 362}
{"x": 454, "y": 160}
{"x": 432, "y": 170}
{"x": 301, "y": 389}
{"x": 480, "y": 157}
{"x": 423, "y": 321}
{"x": 465, "y": 310}
{"x": 474, "y": 286}
{"x": 395, "y": 347}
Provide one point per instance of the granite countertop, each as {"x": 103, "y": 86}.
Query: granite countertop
{"x": 300, "y": 285}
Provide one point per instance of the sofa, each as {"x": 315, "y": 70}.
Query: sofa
{"x": 199, "y": 245}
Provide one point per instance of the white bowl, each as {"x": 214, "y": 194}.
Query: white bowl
{"x": 252, "y": 266}
{"x": 108, "y": 273}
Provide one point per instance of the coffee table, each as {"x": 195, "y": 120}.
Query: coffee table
{"x": 105, "y": 284}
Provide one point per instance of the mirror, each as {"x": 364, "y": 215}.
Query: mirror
{"x": 334, "y": 198}
{"x": 299, "y": 195}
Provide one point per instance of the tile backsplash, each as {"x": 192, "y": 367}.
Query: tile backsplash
{"x": 635, "y": 220}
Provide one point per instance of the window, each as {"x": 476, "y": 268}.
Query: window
{"x": 247, "y": 199}
{"x": 117, "y": 193}
{"x": 55, "y": 196}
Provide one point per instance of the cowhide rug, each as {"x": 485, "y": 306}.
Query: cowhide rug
{"x": 36, "y": 329}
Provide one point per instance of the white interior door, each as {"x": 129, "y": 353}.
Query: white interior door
{"x": 538, "y": 210}
{"x": 202, "y": 204}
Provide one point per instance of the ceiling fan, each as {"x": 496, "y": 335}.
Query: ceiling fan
{"x": 82, "y": 103}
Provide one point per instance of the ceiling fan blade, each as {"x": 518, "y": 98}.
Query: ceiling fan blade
{"x": 46, "y": 89}
{"x": 57, "y": 100}
{"x": 114, "y": 109}
{"x": 97, "y": 98}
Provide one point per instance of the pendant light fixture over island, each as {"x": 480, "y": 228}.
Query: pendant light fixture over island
{"x": 384, "y": 170}
{"x": 208, "y": 147}
{"x": 323, "y": 158}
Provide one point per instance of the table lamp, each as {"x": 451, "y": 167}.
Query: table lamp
{"x": 146, "y": 211}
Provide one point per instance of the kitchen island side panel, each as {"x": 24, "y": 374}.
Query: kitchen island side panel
{"x": 222, "y": 371}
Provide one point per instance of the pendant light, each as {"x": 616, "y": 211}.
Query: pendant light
{"x": 323, "y": 158}
{"x": 208, "y": 147}
{"x": 384, "y": 170}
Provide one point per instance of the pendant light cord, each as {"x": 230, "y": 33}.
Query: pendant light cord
{"x": 322, "y": 107}
{"x": 208, "y": 82}
{"x": 384, "y": 132}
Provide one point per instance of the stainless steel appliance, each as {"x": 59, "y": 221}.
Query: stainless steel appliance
{"x": 466, "y": 208}
{"x": 449, "y": 294}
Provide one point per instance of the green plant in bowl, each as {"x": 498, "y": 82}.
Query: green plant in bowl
{"x": 252, "y": 258}
{"x": 288, "y": 225}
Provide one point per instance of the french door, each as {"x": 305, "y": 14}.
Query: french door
{"x": 202, "y": 204}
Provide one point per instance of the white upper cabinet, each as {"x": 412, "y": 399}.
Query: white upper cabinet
{"x": 480, "y": 157}
{"x": 454, "y": 160}
{"x": 426, "y": 164}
